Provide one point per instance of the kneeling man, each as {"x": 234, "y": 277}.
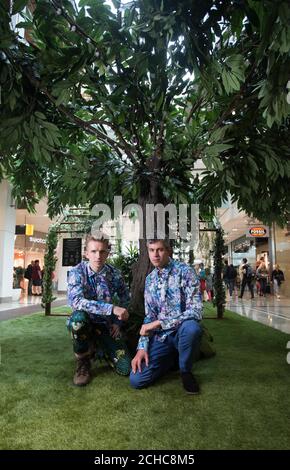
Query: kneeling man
{"x": 173, "y": 310}
{"x": 96, "y": 322}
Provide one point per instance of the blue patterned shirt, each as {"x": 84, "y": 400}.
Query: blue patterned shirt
{"x": 94, "y": 292}
{"x": 172, "y": 295}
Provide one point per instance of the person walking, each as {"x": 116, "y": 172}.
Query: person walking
{"x": 277, "y": 278}
{"x": 247, "y": 280}
{"x": 262, "y": 276}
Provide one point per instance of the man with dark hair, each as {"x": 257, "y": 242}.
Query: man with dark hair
{"x": 173, "y": 309}
{"x": 28, "y": 275}
{"x": 92, "y": 286}
{"x": 247, "y": 278}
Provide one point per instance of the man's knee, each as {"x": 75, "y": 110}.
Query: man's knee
{"x": 77, "y": 320}
{"x": 135, "y": 381}
{"x": 192, "y": 329}
{"x": 140, "y": 379}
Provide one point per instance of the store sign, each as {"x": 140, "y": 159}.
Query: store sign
{"x": 258, "y": 231}
{"x": 37, "y": 240}
{"x": 71, "y": 251}
{"x": 26, "y": 229}
{"x": 29, "y": 229}
{"x": 29, "y": 243}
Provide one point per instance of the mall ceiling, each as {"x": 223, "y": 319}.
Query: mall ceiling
{"x": 40, "y": 219}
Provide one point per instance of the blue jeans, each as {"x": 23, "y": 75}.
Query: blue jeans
{"x": 161, "y": 354}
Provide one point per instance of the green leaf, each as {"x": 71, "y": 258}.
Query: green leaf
{"x": 11, "y": 122}
{"x": 46, "y": 154}
{"x": 18, "y": 6}
{"x": 63, "y": 97}
{"x": 51, "y": 127}
{"x": 226, "y": 82}
{"x": 40, "y": 115}
{"x": 36, "y": 150}
{"x": 159, "y": 101}
{"x": 216, "y": 149}
{"x": 116, "y": 3}
{"x": 24, "y": 24}
{"x": 218, "y": 134}
{"x": 49, "y": 138}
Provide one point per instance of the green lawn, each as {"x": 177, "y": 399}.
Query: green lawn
{"x": 244, "y": 404}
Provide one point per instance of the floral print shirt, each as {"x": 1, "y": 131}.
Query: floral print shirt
{"x": 95, "y": 292}
{"x": 172, "y": 295}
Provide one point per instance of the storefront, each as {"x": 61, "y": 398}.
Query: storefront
{"x": 273, "y": 244}
{"x": 29, "y": 248}
{"x": 282, "y": 255}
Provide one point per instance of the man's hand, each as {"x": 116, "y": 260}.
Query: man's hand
{"x": 115, "y": 331}
{"x": 145, "y": 330}
{"x": 141, "y": 355}
{"x": 147, "y": 327}
{"x": 121, "y": 313}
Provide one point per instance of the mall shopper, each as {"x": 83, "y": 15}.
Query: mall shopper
{"x": 225, "y": 274}
{"x": 209, "y": 285}
{"x": 95, "y": 323}
{"x": 258, "y": 285}
{"x": 28, "y": 276}
{"x": 277, "y": 278}
{"x": 36, "y": 278}
{"x": 231, "y": 277}
{"x": 262, "y": 276}
{"x": 247, "y": 278}
{"x": 202, "y": 281}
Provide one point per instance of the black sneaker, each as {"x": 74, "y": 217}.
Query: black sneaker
{"x": 190, "y": 384}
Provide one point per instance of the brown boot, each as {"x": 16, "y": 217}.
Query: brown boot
{"x": 83, "y": 372}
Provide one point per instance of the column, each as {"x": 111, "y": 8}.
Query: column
{"x": 7, "y": 236}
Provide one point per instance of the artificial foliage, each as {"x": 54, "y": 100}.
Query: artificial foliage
{"x": 219, "y": 289}
{"x": 49, "y": 266}
{"x": 125, "y": 98}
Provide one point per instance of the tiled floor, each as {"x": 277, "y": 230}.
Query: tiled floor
{"x": 26, "y": 305}
{"x": 267, "y": 310}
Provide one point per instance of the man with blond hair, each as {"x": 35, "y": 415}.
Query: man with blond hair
{"x": 95, "y": 321}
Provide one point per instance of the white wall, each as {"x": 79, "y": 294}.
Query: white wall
{"x": 7, "y": 234}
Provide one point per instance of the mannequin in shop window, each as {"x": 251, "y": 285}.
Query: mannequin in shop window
{"x": 36, "y": 278}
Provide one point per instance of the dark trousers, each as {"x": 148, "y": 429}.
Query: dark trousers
{"x": 162, "y": 354}
{"x": 263, "y": 284}
{"x": 249, "y": 283}
{"x": 231, "y": 284}
{"x": 29, "y": 289}
{"x": 91, "y": 339}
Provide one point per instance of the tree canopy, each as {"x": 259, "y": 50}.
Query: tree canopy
{"x": 124, "y": 98}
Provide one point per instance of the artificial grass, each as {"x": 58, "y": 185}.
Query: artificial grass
{"x": 244, "y": 401}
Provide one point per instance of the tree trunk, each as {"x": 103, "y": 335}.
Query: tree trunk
{"x": 151, "y": 194}
{"x": 48, "y": 308}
